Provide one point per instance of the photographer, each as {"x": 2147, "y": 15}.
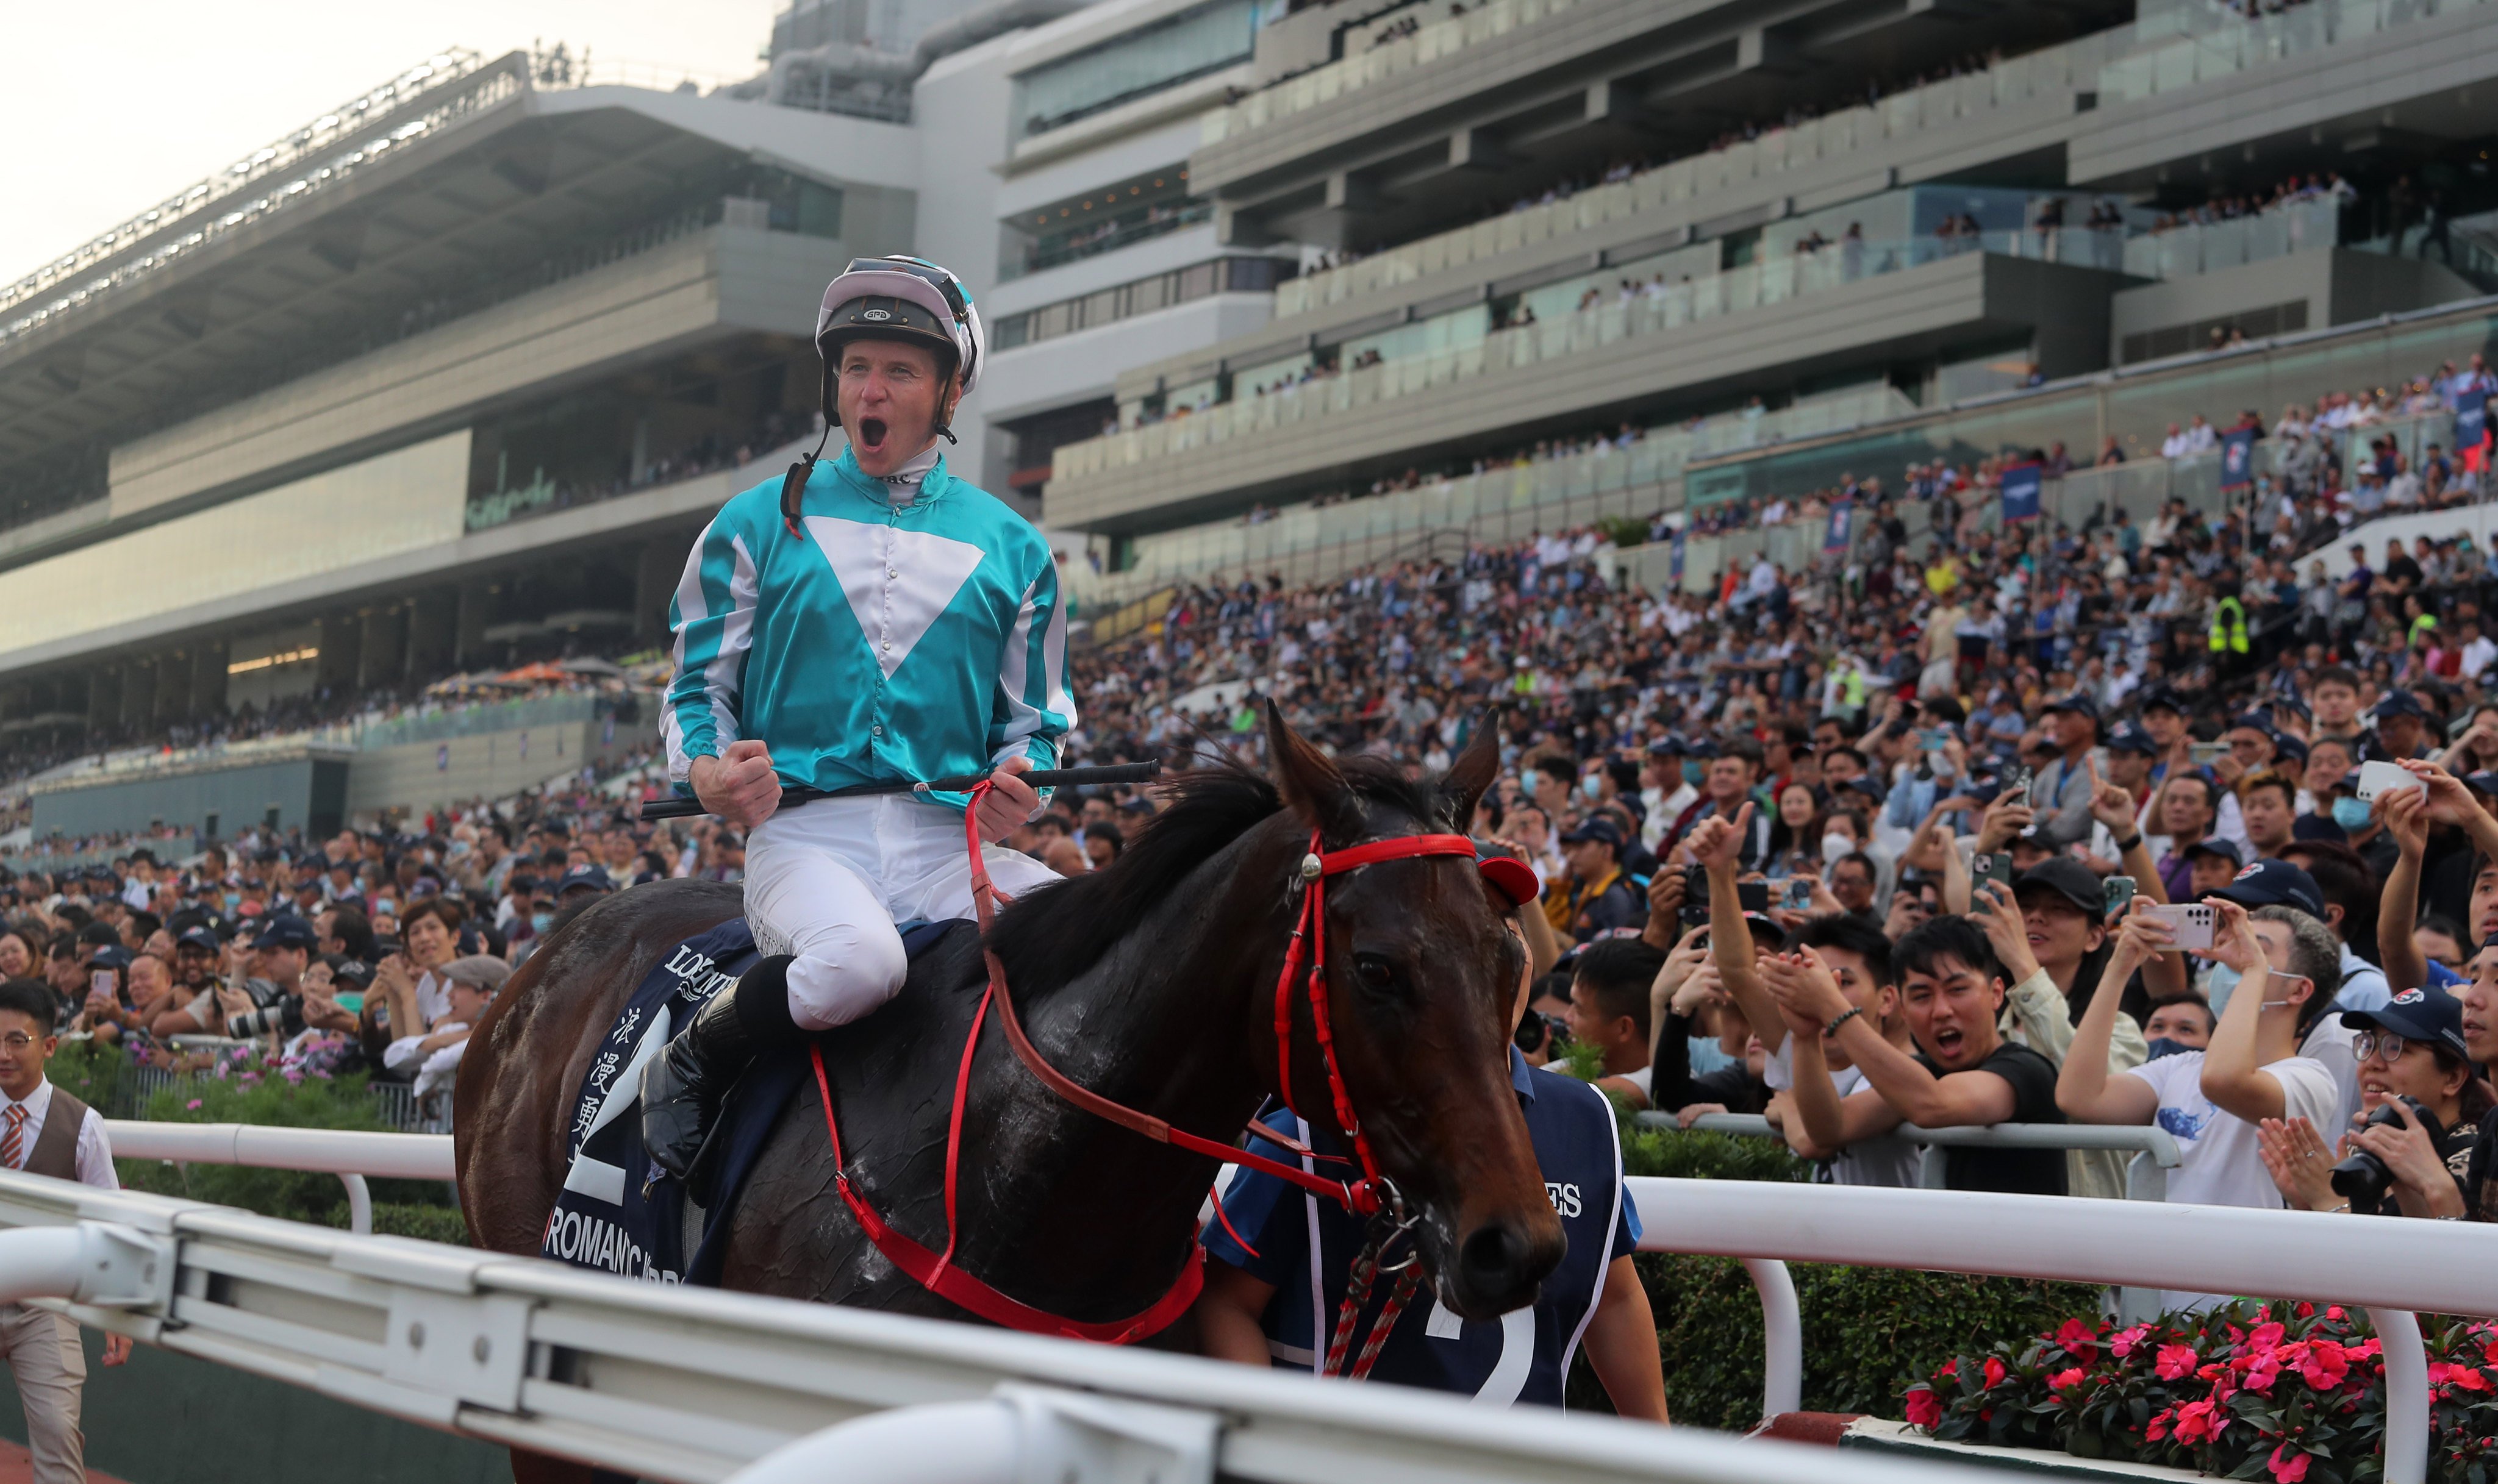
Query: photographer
{"x": 2413, "y": 1061}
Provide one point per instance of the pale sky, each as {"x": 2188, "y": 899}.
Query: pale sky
{"x": 112, "y": 108}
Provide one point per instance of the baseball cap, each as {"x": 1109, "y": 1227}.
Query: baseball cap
{"x": 2397, "y": 701}
{"x": 1599, "y": 828}
{"x": 2067, "y": 878}
{"x": 2289, "y": 748}
{"x": 114, "y": 956}
{"x": 2274, "y": 884}
{"x": 285, "y": 931}
{"x": 1701, "y": 746}
{"x": 2425, "y": 1013}
{"x": 2079, "y": 703}
{"x": 2253, "y": 722}
{"x": 204, "y": 939}
{"x": 2161, "y": 698}
{"x": 1508, "y": 875}
{"x": 2226, "y": 849}
{"x": 2485, "y": 782}
{"x": 1667, "y": 746}
{"x": 586, "y": 878}
{"x": 2130, "y": 737}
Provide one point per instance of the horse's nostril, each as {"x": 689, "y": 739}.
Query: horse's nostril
{"x": 1491, "y": 1258}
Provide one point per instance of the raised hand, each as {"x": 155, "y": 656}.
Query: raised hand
{"x": 1718, "y": 840}
{"x": 2007, "y": 931}
{"x": 2111, "y": 804}
{"x": 2406, "y": 812}
{"x": 739, "y": 785}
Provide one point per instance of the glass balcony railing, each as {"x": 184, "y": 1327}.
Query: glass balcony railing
{"x": 2182, "y": 252}
{"x": 1657, "y": 311}
{"x": 1111, "y": 237}
{"x": 2206, "y": 42}
{"x": 1486, "y": 22}
{"x": 1496, "y": 504}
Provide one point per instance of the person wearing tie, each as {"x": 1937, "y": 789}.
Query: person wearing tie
{"x": 45, "y": 1131}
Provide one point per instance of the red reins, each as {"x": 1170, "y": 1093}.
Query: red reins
{"x": 936, "y": 1271}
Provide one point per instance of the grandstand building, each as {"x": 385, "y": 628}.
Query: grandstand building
{"x": 450, "y": 377}
{"x": 1785, "y": 242}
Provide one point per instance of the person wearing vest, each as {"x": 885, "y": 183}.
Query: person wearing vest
{"x": 1283, "y": 1259}
{"x": 2229, "y": 636}
{"x": 45, "y": 1131}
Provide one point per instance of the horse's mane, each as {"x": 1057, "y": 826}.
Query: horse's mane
{"x": 1049, "y": 936}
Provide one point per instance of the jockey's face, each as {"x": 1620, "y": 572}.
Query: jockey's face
{"x": 890, "y": 398}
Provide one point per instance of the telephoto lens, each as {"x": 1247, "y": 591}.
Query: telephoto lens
{"x": 2363, "y": 1179}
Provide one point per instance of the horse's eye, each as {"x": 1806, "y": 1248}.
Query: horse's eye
{"x": 1374, "y": 971}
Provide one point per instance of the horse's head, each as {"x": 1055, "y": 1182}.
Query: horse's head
{"x": 1422, "y": 975}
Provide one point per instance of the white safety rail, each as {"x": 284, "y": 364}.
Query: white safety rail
{"x": 2392, "y": 1267}
{"x": 348, "y": 1153}
{"x": 676, "y": 1383}
{"x": 2155, "y": 1150}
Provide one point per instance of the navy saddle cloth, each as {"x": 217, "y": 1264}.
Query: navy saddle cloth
{"x": 618, "y": 1213}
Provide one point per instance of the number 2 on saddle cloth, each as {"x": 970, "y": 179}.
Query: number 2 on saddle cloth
{"x": 1371, "y": 1195}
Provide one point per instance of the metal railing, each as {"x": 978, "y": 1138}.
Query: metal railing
{"x": 344, "y": 1153}
{"x": 2155, "y": 1150}
{"x": 673, "y": 1383}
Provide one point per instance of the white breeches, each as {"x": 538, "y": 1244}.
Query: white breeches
{"x": 826, "y": 883}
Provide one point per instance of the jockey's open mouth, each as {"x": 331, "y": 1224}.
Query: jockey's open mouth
{"x": 870, "y": 433}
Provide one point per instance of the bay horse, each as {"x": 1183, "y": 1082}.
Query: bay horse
{"x": 1152, "y": 982}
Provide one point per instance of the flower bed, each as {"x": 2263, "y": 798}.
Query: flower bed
{"x": 2249, "y": 1391}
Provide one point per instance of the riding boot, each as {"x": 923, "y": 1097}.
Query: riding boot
{"x": 684, "y": 1086}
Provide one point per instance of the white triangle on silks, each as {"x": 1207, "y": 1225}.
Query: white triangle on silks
{"x": 894, "y": 611}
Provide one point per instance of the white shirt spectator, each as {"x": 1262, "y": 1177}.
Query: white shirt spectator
{"x": 2200, "y": 436}
{"x": 1884, "y": 1160}
{"x": 2479, "y": 655}
{"x": 2176, "y": 445}
{"x": 2219, "y": 1164}
{"x": 94, "y": 1149}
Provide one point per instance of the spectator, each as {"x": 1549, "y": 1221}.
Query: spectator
{"x": 1609, "y": 1011}
{"x": 2412, "y": 1050}
{"x": 1962, "y": 1072}
{"x": 1824, "y": 1106}
{"x": 1594, "y": 896}
{"x": 2213, "y": 1100}
{"x": 43, "y": 1130}
{"x": 2178, "y": 1025}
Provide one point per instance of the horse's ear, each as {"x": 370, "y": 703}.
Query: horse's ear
{"x": 1464, "y": 784}
{"x": 1310, "y": 784}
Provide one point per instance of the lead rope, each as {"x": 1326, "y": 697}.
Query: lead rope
{"x": 1356, "y": 1292}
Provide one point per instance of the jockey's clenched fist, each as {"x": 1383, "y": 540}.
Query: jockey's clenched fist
{"x": 1009, "y": 802}
{"x": 739, "y": 785}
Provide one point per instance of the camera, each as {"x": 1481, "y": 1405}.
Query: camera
{"x": 2363, "y": 1179}
{"x": 1695, "y": 897}
{"x": 1539, "y": 1031}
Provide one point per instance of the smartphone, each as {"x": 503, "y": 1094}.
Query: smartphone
{"x": 2206, "y": 752}
{"x": 100, "y": 982}
{"x": 1695, "y": 897}
{"x": 2381, "y": 777}
{"x": 1753, "y": 896}
{"x": 2192, "y": 923}
{"x": 1931, "y": 740}
{"x": 2119, "y": 894}
{"x": 1984, "y": 868}
{"x": 1799, "y": 893}
{"x": 2016, "y": 788}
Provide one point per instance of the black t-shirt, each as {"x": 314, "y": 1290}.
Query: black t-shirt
{"x": 2012, "y": 1171}
{"x": 2480, "y": 1191}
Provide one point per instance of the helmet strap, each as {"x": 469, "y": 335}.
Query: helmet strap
{"x": 793, "y": 485}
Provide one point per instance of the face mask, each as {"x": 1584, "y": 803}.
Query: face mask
{"x": 1835, "y": 846}
{"x": 2351, "y": 814}
{"x": 1692, "y": 774}
{"x": 2217, "y": 987}
{"x": 541, "y": 920}
{"x": 234, "y": 900}
{"x": 1588, "y": 787}
{"x": 2165, "y": 1046}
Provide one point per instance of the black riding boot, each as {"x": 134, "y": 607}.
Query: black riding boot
{"x": 682, "y": 1087}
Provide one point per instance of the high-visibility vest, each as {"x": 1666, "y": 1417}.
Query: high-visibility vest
{"x": 1851, "y": 689}
{"x": 2229, "y": 626}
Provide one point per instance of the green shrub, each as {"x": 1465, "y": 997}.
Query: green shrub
{"x": 89, "y": 1071}
{"x": 245, "y": 1096}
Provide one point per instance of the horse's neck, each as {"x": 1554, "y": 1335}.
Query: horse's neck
{"x": 1165, "y": 1024}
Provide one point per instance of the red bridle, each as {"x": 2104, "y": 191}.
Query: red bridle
{"x": 1366, "y": 1196}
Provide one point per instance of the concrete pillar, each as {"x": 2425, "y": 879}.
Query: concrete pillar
{"x": 476, "y": 607}
{"x": 138, "y": 694}
{"x": 656, "y": 570}
{"x": 172, "y": 687}
{"x": 433, "y": 633}
{"x": 208, "y": 676}
{"x": 380, "y": 656}
{"x": 342, "y": 646}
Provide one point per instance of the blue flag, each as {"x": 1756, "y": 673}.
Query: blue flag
{"x": 2470, "y": 419}
{"x": 1843, "y": 525}
{"x": 2237, "y": 459}
{"x": 2021, "y": 484}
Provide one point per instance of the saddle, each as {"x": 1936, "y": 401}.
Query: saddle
{"x": 620, "y": 1214}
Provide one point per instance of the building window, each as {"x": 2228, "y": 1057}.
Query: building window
{"x": 1190, "y": 44}
{"x": 1222, "y": 275}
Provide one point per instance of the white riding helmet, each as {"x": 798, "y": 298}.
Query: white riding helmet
{"x": 901, "y": 298}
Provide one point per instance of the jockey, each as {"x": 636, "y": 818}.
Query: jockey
{"x": 867, "y": 619}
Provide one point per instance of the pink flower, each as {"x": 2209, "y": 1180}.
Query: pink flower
{"x": 2063, "y": 1379}
{"x": 2287, "y": 1470}
{"x": 2324, "y": 1364}
{"x": 2460, "y": 1378}
{"x": 2122, "y": 1343}
{"x": 193, "y": 1106}
{"x": 2336, "y": 1311}
{"x": 2077, "y": 1339}
{"x": 2196, "y": 1423}
{"x": 2157, "y": 1428}
{"x": 2266, "y": 1336}
{"x": 1951, "y": 1367}
{"x": 1924, "y": 1412}
{"x": 1994, "y": 1372}
{"x": 2176, "y": 1362}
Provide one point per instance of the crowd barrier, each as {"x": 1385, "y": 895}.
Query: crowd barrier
{"x": 683, "y": 1385}
{"x": 349, "y": 1155}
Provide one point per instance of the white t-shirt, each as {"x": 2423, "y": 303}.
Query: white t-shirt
{"x": 1886, "y": 1159}
{"x": 2219, "y": 1164}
